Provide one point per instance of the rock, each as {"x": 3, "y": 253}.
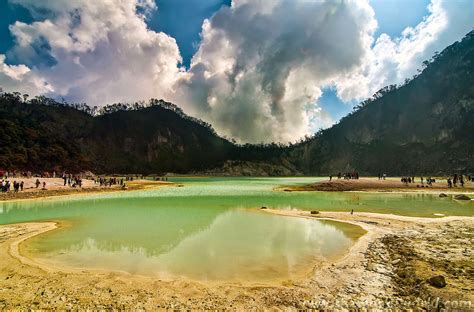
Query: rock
{"x": 462, "y": 197}
{"x": 437, "y": 281}
{"x": 396, "y": 261}
{"x": 263, "y": 207}
{"x": 371, "y": 266}
{"x": 443, "y": 195}
{"x": 314, "y": 212}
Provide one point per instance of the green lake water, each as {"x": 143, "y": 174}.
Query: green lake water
{"x": 209, "y": 229}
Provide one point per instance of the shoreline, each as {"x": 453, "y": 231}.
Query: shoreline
{"x": 351, "y": 277}
{"x": 374, "y": 185}
{"x": 66, "y": 192}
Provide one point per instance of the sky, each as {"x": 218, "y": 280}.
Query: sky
{"x": 257, "y": 70}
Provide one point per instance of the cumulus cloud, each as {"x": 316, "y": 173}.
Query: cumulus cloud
{"x": 259, "y": 69}
{"x": 20, "y": 77}
{"x": 261, "y": 63}
{"x": 102, "y": 51}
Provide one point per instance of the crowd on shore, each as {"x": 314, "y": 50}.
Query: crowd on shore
{"x": 18, "y": 181}
{"x": 346, "y": 176}
{"x": 14, "y": 181}
{"x": 452, "y": 181}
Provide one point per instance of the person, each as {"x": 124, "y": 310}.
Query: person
{"x": 450, "y": 184}
{"x": 44, "y": 185}
{"x": 461, "y": 180}
{"x": 330, "y": 177}
{"x": 21, "y": 186}
{"x": 37, "y": 183}
{"x": 352, "y": 211}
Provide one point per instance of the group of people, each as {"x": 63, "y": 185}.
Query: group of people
{"x": 72, "y": 181}
{"x": 459, "y": 179}
{"x": 6, "y": 185}
{"x": 347, "y": 176}
{"x": 408, "y": 180}
{"x": 110, "y": 181}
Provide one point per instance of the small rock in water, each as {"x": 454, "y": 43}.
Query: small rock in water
{"x": 437, "y": 281}
{"x": 443, "y": 195}
{"x": 314, "y": 212}
{"x": 462, "y": 197}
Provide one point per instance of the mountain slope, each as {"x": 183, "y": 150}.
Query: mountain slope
{"x": 44, "y": 135}
{"x": 425, "y": 126}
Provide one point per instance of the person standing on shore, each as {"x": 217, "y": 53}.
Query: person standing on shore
{"x": 21, "y": 186}
{"x": 37, "y": 183}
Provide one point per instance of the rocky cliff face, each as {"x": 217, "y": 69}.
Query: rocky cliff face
{"x": 425, "y": 126}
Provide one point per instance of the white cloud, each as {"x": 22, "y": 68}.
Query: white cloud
{"x": 20, "y": 77}
{"x": 261, "y": 63}
{"x": 391, "y": 61}
{"x": 102, "y": 50}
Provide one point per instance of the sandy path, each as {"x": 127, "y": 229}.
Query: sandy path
{"x": 387, "y": 266}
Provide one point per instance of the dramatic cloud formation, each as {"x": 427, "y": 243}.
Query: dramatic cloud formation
{"x": 259, "y": 70}
{"x": 261, "y": 64}
{"x": 102, "y": 50}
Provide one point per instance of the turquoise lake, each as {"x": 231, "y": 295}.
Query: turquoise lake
{"x": 210, "y": 229}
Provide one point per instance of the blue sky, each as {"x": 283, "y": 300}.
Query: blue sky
{"x": 244, "y": 61}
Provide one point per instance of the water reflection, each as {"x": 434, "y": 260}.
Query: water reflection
{"x": 237, "y": 245}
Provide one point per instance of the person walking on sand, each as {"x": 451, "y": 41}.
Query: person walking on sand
{"x": 44, "y": 185}
{"x": 37, "y": 183}
{"x": 330, "y": 178}
{"x": 352, "y": 211}
{"x": 21, "y": 186}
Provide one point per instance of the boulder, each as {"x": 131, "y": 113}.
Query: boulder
{"x": 462, "y": 197}
{"x": 314, "y": 212}
{"x": 443, "y": 195}
{"x": 437, "y": 281}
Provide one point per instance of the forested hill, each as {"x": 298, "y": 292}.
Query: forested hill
{"x": 425, "y": 126}
{"x": 42, "y": 134}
